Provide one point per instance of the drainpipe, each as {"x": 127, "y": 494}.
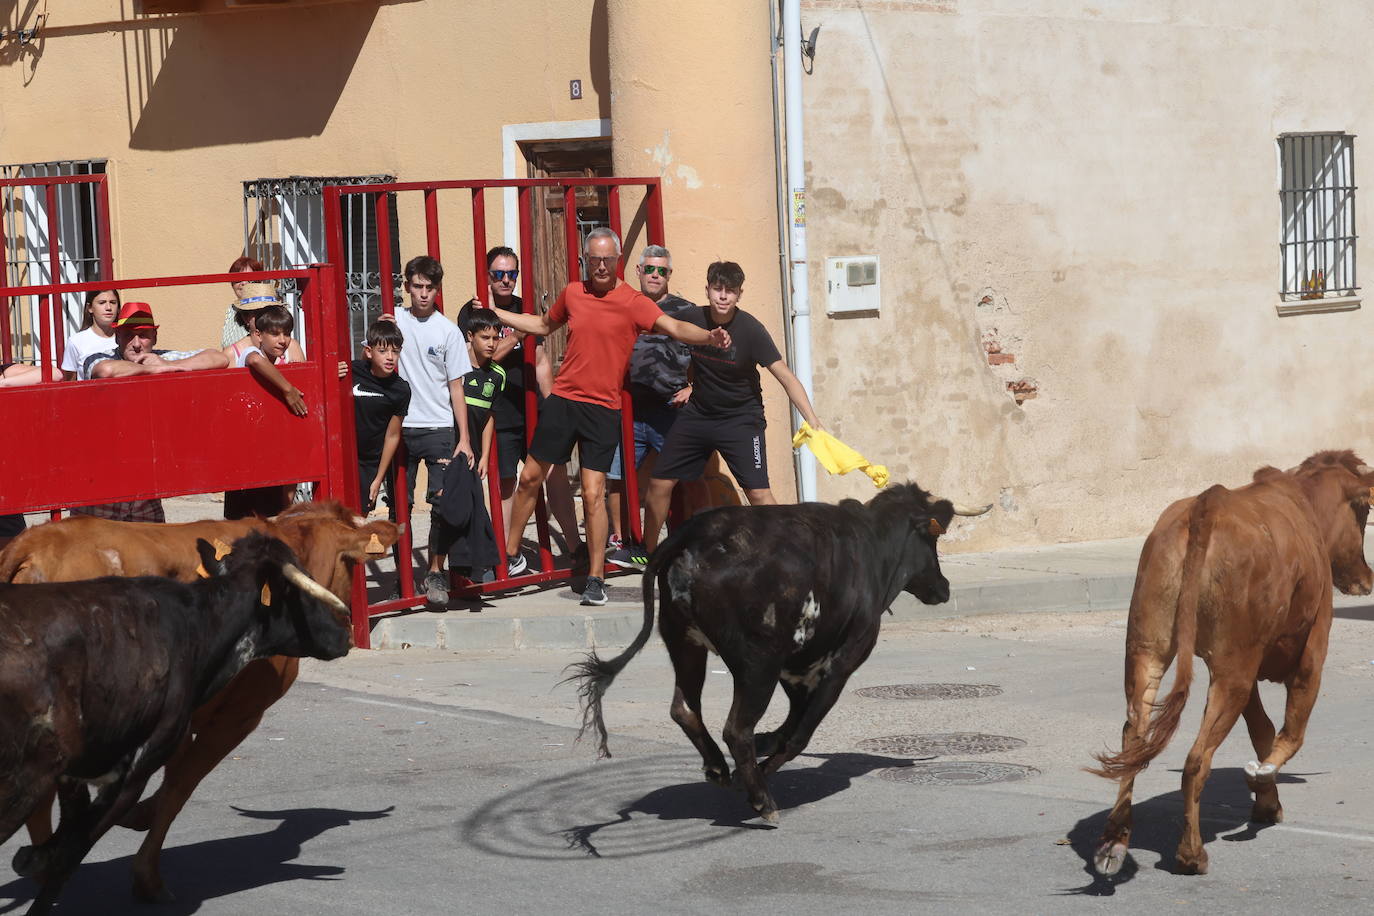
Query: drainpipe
{"x": 796, "y": 228}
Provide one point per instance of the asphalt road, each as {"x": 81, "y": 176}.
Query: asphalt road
{"x": 425, "y": 781}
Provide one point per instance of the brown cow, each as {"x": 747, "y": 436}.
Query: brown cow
{"x": 1241, "y": 578}
{"x": 328, "y": 539}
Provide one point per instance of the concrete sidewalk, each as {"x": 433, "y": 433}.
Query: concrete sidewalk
{"x": 1087, "y": 576}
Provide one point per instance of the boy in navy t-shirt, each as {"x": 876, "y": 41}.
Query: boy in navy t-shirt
{"x": 380, "y": 401}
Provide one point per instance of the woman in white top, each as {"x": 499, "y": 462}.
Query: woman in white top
{"x": 96, "y": 334}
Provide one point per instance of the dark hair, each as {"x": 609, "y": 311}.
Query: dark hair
{"x": 725, "y": 273}
{"x": 426, "y": 267}
{"x": 385, "y": 334}
{"x": 273, "y": 319}
{"x": 501, "y": 251}
{"x": 473, "y": 317}
{"x": 88, "y": 318}
{"x": 244, "y": 263}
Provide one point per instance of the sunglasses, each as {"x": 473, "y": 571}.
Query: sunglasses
{"x": 496, "y": 276}
{"x": 651, "y": 269}
{"x": 594, "y": 260}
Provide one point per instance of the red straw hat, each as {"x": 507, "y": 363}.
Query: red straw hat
{"x": 135, "y": 315}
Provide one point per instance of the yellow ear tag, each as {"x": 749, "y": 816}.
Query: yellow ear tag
{"x": 936, "y": 527}
{"x": 266, "y": 595}
{"x": 222, "y": 549}
{"x": 374, "y": 545}
{"x": 200, "y": 571}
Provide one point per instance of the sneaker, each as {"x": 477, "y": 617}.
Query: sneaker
{"x": 516, "y": 565}
{"x": 638, "y": 556}
{"x": 436, "y": 588}
{"x": 619, "y": 558}
{"x": 595, "y": 592}
{"x": 614, "y": 543}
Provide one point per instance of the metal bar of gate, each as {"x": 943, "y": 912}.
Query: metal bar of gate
{"x": 49, "y": 350}
{"x": 479, "y": 245}
{"x": 570, "y": 233}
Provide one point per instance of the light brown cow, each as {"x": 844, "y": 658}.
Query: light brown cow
{"x": 1241, "y": 578}
{"x": 328, "y": 539}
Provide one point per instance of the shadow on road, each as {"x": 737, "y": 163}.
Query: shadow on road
{"x": 1157, "y": 824}
{"x": 204, "y": 871}
{"x": 600, "y": 812}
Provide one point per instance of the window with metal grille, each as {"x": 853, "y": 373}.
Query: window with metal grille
{"x": 283, "y": 227}
{"x": 27, "y": 248}
{"x": 1317, "y": 198}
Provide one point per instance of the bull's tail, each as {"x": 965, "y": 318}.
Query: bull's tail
{"x": 595, "y": 674}
{"x": 1131, "y": 760}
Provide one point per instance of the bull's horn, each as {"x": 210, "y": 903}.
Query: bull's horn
{"x": 966, "y": 510}
{"x": 312, "y": 588}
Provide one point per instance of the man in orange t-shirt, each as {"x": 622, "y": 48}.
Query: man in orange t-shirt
{"x": 604, "y": 317}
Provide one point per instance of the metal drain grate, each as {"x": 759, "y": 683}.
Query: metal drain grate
{"x": 945, "y": 745}
{"x": 958, "y": 773}
{"x": 930, "y": 691}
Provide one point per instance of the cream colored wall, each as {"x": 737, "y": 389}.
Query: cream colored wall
{"x": 188, "y": 107}
{"x": 696, "y": 110}
{"x": 1096, "y": 189}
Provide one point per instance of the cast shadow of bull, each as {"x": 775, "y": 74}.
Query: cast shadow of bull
{"x": 198, "y": 872}
{"x": 596, "y": 812}
{"x": 1158, "y": 823}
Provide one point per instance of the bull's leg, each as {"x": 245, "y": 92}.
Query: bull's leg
{"x": 1267, "y": 809}
{"x": 753, "y": 690}
{"x": 1142, "y": 685}
{"x": 1303, "y": 685}
{"x": 220, "y": 725}
{"x": 40, "y": 821}
{"x": 689, "y": 672}
{"x": 1226, "y": 698}
{"x": 766, "y": 744}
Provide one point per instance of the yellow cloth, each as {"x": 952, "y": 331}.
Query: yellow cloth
{"x": 835, "y": 456}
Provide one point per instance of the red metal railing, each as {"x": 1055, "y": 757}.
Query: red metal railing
{"x": 653, "y": 209}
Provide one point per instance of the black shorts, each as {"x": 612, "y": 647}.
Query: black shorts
{"x": 594, "y": 428}
{"x": 694, "y": 437}
{"x": 510, "y": 451}
{"x": 11, "y": 525}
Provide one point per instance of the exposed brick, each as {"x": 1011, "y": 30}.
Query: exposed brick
{"x": 1000, "y": 359}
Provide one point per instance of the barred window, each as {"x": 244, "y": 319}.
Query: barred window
{"x": 1317, "y": 200}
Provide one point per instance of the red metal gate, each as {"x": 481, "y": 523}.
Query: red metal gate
{"x": 653, "y": 218}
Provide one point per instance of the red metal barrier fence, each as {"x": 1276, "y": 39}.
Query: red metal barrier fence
{"x": 653, "y": 207}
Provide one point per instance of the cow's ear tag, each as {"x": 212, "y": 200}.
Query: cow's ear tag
{"x": 374, "y": 544}
{"x": 266, "y": 595}
{"x": 936, "y": 527}
{"x": 200, "y": 571}
{"x": 222, "y": 549}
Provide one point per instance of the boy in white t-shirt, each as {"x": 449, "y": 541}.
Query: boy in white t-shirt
{"x": 433, "y": 362}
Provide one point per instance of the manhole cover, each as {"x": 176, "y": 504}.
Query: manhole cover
{"x": 958, "y": 773}
{"x": 930, "y": 691}
{"x": 941, "y": 745}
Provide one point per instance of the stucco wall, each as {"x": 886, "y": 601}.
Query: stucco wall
{"x": 1096, "y": 190}
{"x": 188, "y": 107}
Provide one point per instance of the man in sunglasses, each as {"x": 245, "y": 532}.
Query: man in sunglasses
{"x": 508, "y": 410}
{"x": 605, "y": 317}
{"x": 659, "y": 388}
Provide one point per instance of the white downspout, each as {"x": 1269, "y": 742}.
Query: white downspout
{"x": 796, "y": 185}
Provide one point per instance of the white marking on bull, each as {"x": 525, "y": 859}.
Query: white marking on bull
{"x": 700, "y": 639}
{"x": 1264, "y": 773}
{"x": 806, "y": 623}
{"x": 44, "y": 720}
{"x": 770, "y": 616}
{"x": 113, "y": 563}
{"x": 811, "y": 677}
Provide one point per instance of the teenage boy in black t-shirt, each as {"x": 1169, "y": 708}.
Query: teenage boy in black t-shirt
{"x": 380, "y": 401}
{"x": 725, "y": 410}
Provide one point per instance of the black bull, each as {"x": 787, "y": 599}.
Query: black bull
{"x": 98, "y": 681}
{"x": 783, "y": 594}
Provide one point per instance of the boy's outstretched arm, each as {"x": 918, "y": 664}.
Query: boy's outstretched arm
{"x": 796, "y": 393}
{"x": 690, "y": 334}
{"x": 262, "y": 367}
{"x": 390, "y": 441}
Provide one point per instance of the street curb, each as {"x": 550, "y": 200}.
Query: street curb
{"x": 615, "y": 629}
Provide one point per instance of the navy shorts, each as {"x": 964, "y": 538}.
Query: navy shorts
{"x": 694, "y": 437}
{"x": 594, "y": 429}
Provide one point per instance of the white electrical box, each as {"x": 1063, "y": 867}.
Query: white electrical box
{"x": 852, "y": 284}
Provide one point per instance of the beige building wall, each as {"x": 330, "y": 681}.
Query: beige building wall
{"x": 1091, "y": 192}
{"x": 188, "y": 107}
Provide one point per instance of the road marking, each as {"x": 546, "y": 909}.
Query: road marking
{"x": 487, "y": 718}
{"x": 1358, "y": 837}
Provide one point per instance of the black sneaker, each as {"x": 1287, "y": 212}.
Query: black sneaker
{"x": 594, "y": 593}
{"x": 517, "y": 565}
{"x": 620, "y": 558}
{"x": 436, "y": 588}
{"x": 638, "y": 556}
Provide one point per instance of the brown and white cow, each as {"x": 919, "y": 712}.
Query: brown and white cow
{"x": 1241, "y": 578}
{"x": 329, "y": 540}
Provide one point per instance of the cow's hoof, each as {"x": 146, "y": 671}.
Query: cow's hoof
{"x": 25, "y": 862}
{"x": 1190, "y": 866}
{"x": 719, "y": 776}
{"x": 1109, "y": 858}
{"x": 1266, "y": 814}
{"x": 1261, "y": 772}
{"x": 770, "y": 817}
{"x": 148, "y": 892}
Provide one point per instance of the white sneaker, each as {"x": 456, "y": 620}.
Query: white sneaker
{"x": 516, "y": 565}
